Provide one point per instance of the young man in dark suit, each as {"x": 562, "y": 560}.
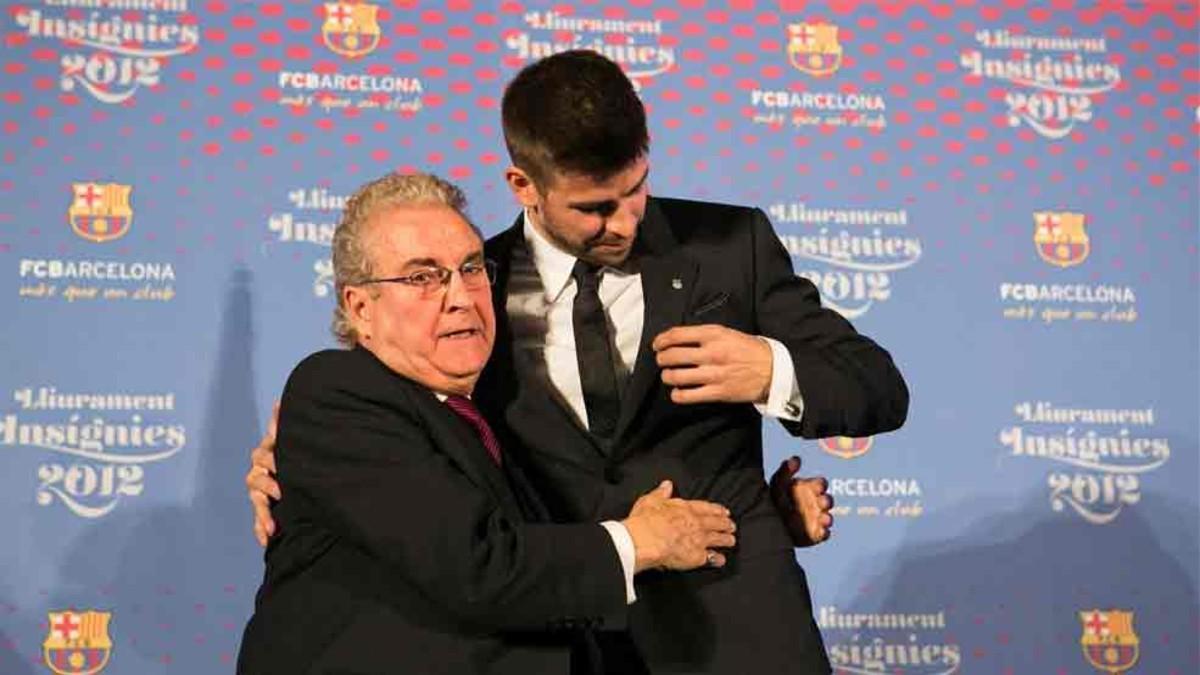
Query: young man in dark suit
{"x": 704, "y": 329}
{"x": 411, "y": 541}
{"x": 643, "y": 338}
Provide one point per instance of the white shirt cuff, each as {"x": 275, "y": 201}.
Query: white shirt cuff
{"x": 783, "y": 397}
{"x": 624, "y": 545}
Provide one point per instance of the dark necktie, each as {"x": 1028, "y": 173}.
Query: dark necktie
{"x": 467, "y": 410}
{"x": 594, "y": 352}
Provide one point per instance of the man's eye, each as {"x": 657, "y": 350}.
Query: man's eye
{"x": 422, "y": 278}
{"x": 471, "y": 269}
{"x": 598, "y": 209}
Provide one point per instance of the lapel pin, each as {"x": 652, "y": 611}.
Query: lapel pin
{"x": 677, "y": 283}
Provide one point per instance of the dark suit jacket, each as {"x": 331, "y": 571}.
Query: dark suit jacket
{"x": 402, "y": 546}
{"x": 702, "y": 263}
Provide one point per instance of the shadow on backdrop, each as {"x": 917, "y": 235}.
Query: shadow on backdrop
{"x": 180, "y": 580}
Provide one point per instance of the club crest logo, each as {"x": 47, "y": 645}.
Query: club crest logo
{"x": 351, "y": 29}
{"x": 100, "y": 212}
{"x": 813, "y": 48}
{"x": 78, "y": 642}
{"x": 846, "y": 447}
{"x": 1061, "y": 237}
{"x": 1108, "y": 640}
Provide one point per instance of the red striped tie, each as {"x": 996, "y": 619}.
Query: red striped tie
{"x": 467, "y": 410}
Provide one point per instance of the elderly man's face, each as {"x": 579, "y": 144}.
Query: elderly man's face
{"x": 440, "y": 337}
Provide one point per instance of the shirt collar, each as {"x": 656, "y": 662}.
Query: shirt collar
{"x": 553, "y": 265}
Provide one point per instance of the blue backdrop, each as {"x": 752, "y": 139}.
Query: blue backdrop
{"x": 1003, "y": 194}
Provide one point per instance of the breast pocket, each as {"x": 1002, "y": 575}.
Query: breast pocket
{"x": 710, "y": 309}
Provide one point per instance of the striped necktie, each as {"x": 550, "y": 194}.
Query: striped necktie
{"x": 466, "y": 409}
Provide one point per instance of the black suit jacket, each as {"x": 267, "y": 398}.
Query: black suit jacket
{"x": 403, "y": 546}
{"x": 702, "y": 263}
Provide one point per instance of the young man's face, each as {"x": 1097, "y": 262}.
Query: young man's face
{"x": 593, "y": 220}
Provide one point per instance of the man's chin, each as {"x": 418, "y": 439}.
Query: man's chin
{"x": 458, "y": 380}
{"x": 464, "y": 361}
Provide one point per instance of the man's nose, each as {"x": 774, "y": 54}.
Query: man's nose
{"x": 623, "y": 222}
{"x": 457, "y": 295}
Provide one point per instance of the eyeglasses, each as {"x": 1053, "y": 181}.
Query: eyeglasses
{"x": 475, "y": 275}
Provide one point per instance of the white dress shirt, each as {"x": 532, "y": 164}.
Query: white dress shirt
{"x": 540, "y": 306}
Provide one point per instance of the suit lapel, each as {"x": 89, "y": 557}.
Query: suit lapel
{"x": 530, "y": 409}
{"x": 535, "y": 412}
{"x": 668, "y": 277}
{"x": 451, "y": 434}
{"x": 458, "y": 439}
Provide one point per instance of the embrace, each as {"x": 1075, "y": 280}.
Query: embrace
{"x": 543, "y": 453}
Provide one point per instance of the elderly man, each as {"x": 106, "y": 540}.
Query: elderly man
{"x": 410, "y": 539}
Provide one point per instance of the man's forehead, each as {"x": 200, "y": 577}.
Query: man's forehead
{"x": 417, "y": 213}
{"x": 424, "y": 232}
{"x": 423, "y": 219}
{"x": 577, "y": 186}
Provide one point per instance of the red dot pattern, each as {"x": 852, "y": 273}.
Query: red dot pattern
{"x": 223, "y": 129}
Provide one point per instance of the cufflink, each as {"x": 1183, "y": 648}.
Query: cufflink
{"x": 791, "y": 409}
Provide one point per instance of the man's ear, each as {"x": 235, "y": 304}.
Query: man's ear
{"x": 522, "y": 186}
{"x": 358, "y": 309}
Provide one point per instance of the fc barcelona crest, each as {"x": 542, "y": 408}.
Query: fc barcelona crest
{"x": 813, "y": 48}
{"x": 100, "y": 212}
{"x": 846, "y": 447}
{"x": 78, "y": 642}
{"x": 351, "y": 28}
{"x": 1061, "y": 238}
{"x": 1108, "y": 640}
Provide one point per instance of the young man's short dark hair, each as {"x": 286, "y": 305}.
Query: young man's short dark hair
{"x": 573, "y": 112}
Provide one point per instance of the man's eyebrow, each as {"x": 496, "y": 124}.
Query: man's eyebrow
{"x": 473, "y": 256}
{"x": 592, "y": 206}
{"x": 606, "y": 202}
{"x": 419, "y": 262}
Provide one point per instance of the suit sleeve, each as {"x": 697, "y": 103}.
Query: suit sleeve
{"x": 374, "y": 477}
{"x": 849, "y": 384}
